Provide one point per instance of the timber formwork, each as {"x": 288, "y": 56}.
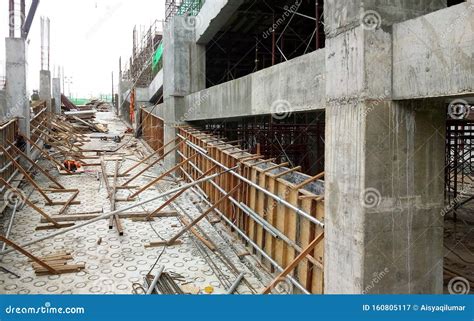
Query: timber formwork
{"x": 152, "y": 130}
{"x": 302, "y": 191}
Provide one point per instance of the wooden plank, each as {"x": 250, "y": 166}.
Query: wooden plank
{"x": 318, "y": 274}
{"x": 28, "y": 254}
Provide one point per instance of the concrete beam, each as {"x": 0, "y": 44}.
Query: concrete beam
{"x": 340, "y": 16}
{"x": 292, "y": 86}
{"x": 434, "y": 55}
{"x": 212, "y": 17}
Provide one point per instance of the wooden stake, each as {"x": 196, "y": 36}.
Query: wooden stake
{"x": 293, "y": 264}
{"x": 198, "y": 219}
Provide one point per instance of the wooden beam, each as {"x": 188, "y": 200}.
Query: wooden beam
{"x": 159, "y": 178}
{"x": 310, "y": 180}
{"x": 287, "y": 172}
{"x": 275, "y": 167}
{"x": 28, "y": 254}
{"x": 198, "y": 219}
{"x": 175, "y": 196}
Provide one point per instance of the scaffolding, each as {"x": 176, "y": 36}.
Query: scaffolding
{"x": 182, "y": 7}
{"x": 459, "y": 170}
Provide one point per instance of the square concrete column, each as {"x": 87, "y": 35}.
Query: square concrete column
{"x": 45, "y": 88}
{"x": 3, "y": 105}
{"x": 384, "y": 160}
{"x": 184, "y": 73}
{"x": 17, "y": 99}
{"x": 57, "y": 95}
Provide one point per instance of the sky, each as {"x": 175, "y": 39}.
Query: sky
{"x": 87, "y": 39}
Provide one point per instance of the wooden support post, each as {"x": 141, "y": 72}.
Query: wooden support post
{"x": 46, "y": 154}
{"x": 149, "y": 156}
{"x": 69, "y": 202}
{"x": 159, "y": 178}
{"x": 30, "y": 204}
{"x": 28, "y": 254}
{"x": 26, "y": 175}
{"x": 293, "y": 264}
{"x": 29, "y": 160}
{"x": 153, "y": 164}
{"x": 175, "y": 196}
{"x": 203, "y": 215}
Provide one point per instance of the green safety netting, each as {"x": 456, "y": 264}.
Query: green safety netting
{"x": 157, "y": 57}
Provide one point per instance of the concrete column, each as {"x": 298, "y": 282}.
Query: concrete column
{"x": 183, "y": 73}
{"x": 57, "y": 95}
{"x": 384, "y": 160}
{"x": 3, "y": 105}
{"x": 45, "y": 88}
{"x": 17, "y": 100}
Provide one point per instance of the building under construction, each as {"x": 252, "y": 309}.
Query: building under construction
{"x": 253, "y": 147}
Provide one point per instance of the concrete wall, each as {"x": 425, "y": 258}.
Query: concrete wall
{"x": 434, "y": 55}
{"x": 296, "y": 85}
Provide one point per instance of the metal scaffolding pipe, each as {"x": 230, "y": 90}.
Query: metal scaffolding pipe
{"x": 10, "y": 224}
{"x": 261, "y": 189}
{"x": 155, "y": 280}
{"x": 107, "y": 215}
{"x": 252, "y": 243}
{"x": 236, "y": 283}
{"x": 258, "y": 219}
